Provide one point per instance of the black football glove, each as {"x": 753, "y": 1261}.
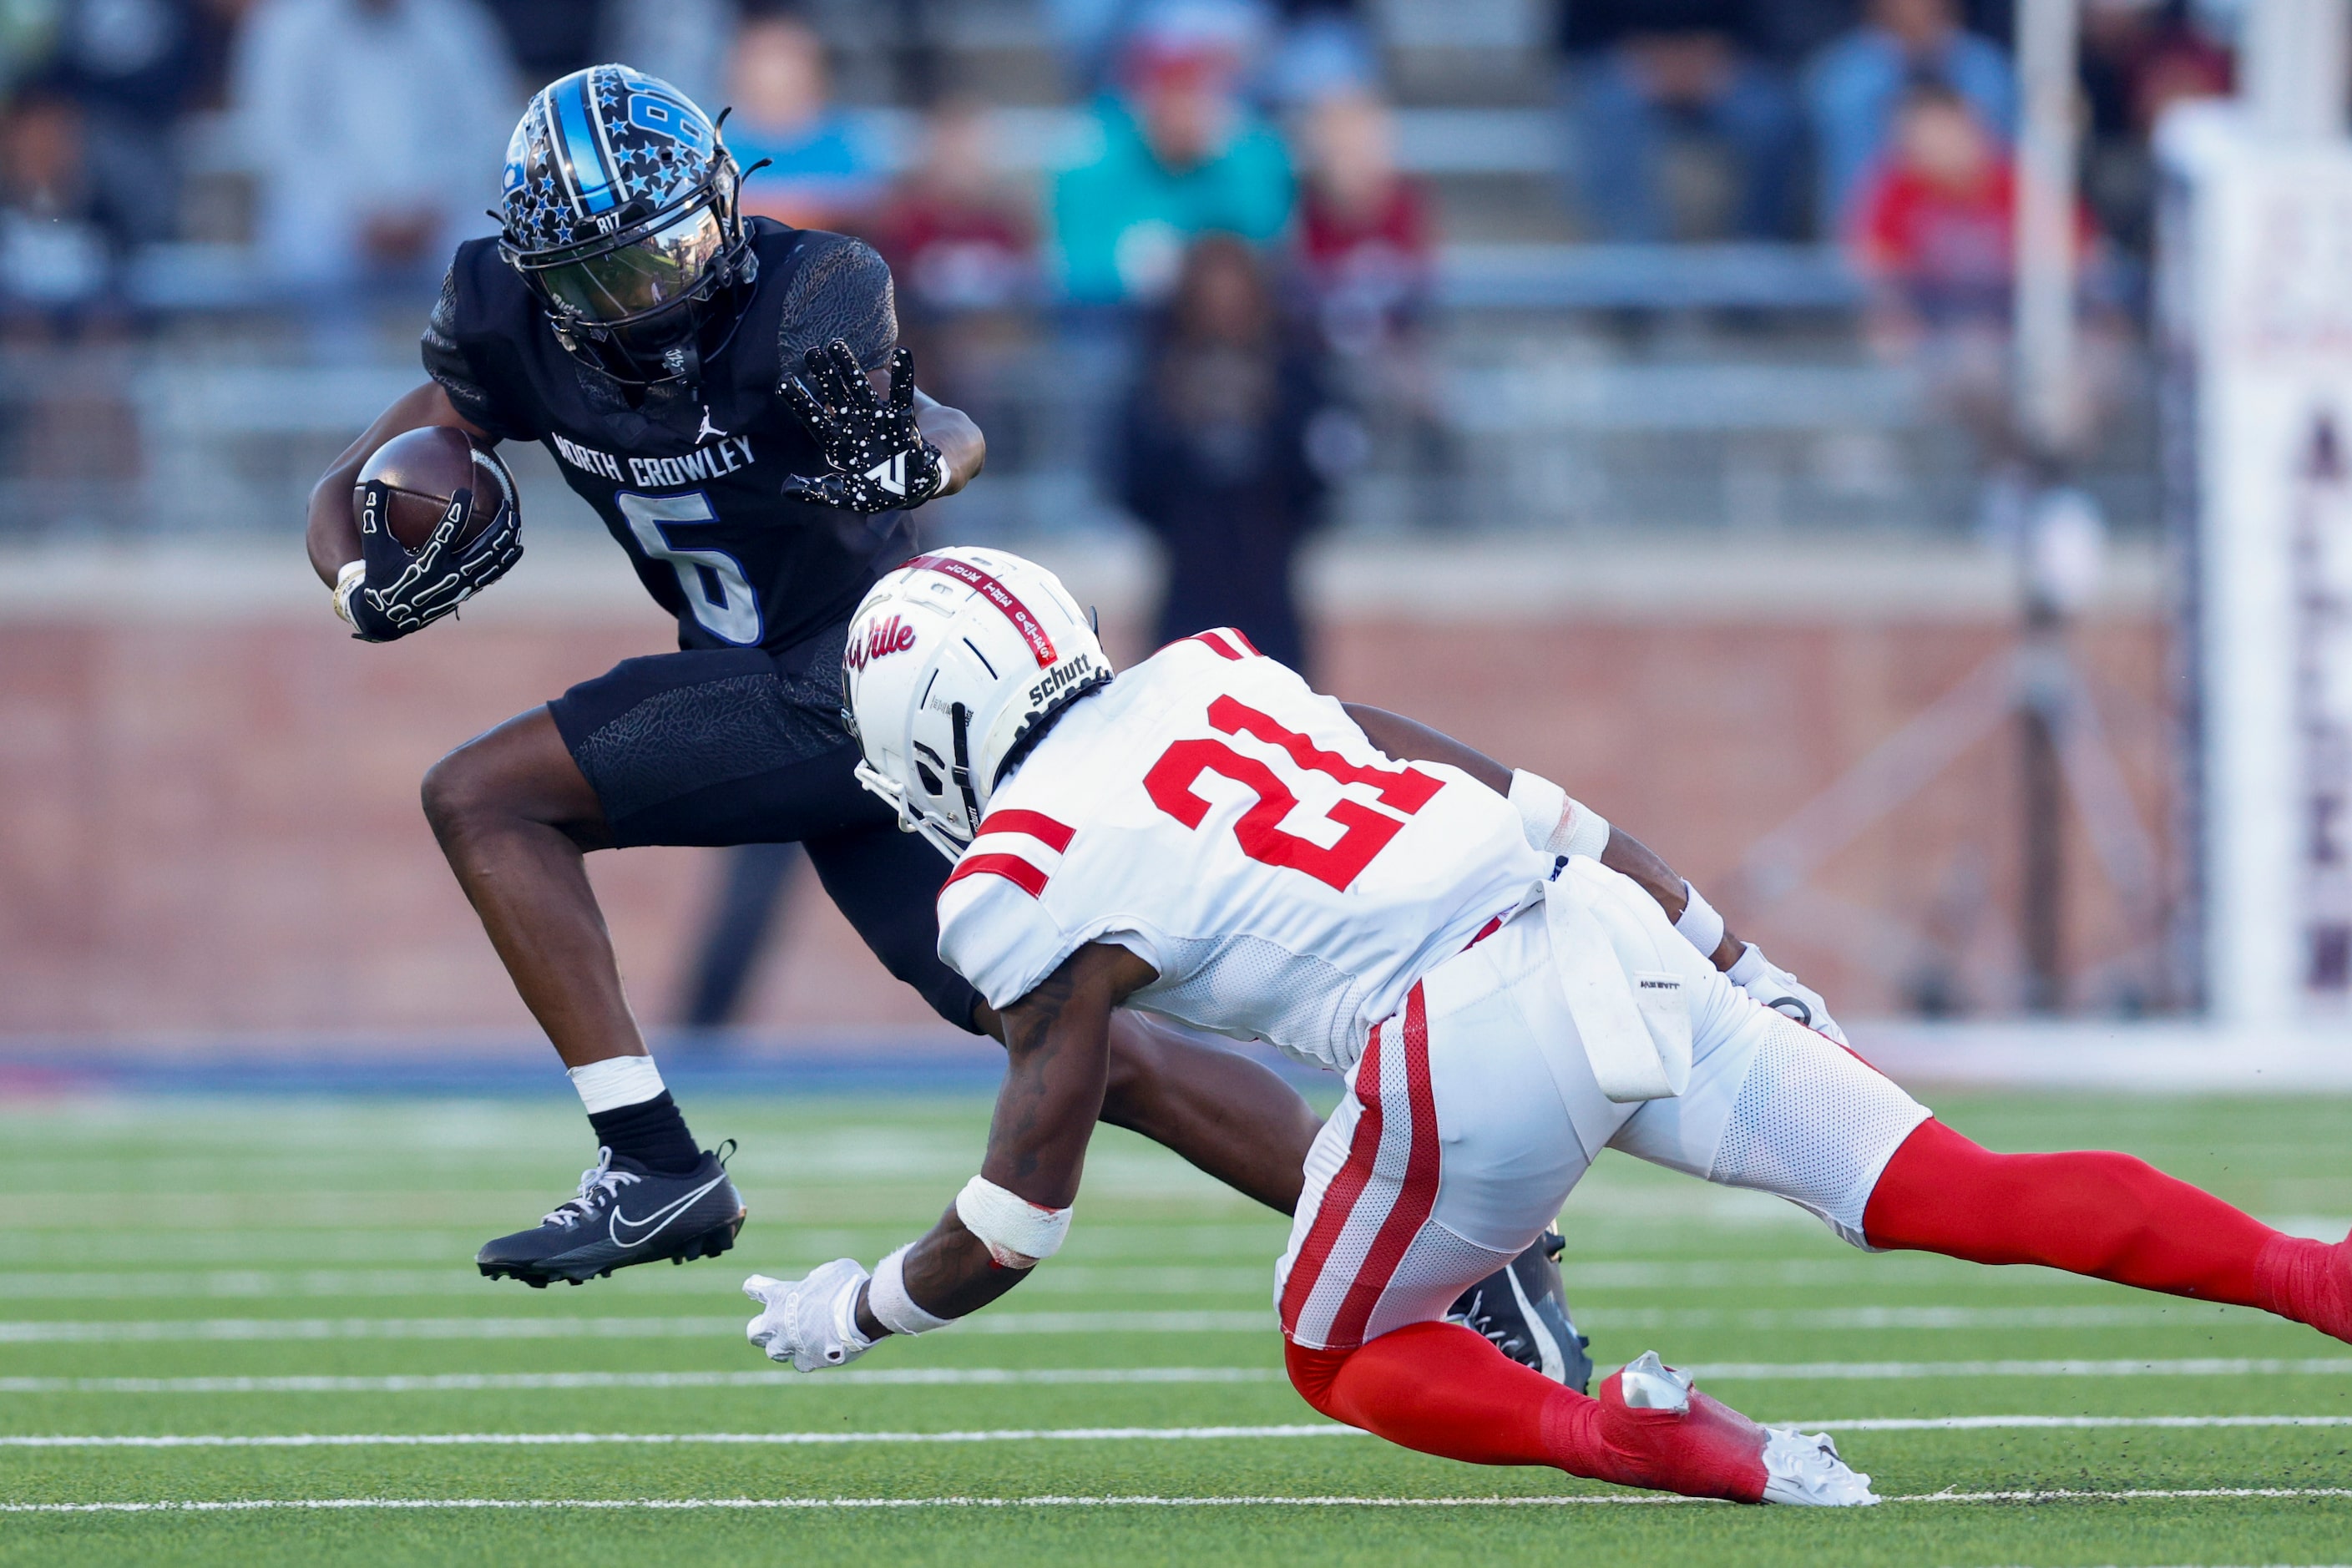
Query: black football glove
{"x": 880, "y": 458}
{"x": 403, "y": 593}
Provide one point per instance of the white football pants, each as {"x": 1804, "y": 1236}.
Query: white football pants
{"x": 1472, "y": 1113}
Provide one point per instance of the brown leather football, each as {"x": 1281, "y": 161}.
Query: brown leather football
{"x": 424, "y": 468}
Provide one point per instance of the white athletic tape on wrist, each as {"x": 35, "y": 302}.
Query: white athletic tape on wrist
{"x": 1700, "y": 925}
{"x": 1018, "y": 1232}
{"x": 1749, "y": 968}
{"x": 1587, "y": 832}
{"x": 347, "y": 581}
{"x": 1541, "y": 806}
{"x": 892, "y": 1307}
{"x": 617, "y": 1082}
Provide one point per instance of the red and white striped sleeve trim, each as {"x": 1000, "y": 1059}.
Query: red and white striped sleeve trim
{"x": 1225, "y": 642}
{"x": 1028, "y": 850}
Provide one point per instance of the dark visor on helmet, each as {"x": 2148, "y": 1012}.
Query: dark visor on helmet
{"x": 651, "y": 273}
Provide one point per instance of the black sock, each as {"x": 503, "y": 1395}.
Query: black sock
{"x": 651, "y": 1132}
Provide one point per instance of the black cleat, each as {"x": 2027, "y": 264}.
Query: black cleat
{"x": 624, "y": 1215}
{"x": 1522, "y": 1312}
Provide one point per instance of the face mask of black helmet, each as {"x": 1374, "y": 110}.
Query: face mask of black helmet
{"x": 620, "y": 211}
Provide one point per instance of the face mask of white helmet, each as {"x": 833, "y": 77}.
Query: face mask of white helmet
{"x": 955, "y": 663}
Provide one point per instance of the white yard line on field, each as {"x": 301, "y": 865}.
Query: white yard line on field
{"x": 1899, "y": 1371}
{"x": 479, "y": 1382}
{"x": 62, "y": 1332}
{"x": 658, "y": 1440}
{"x": 244, "y": 1505}
{"x": 1028, "y": 1434}
{"x": 1133, "y": 1280}
{"x": 2200, "y": 1315}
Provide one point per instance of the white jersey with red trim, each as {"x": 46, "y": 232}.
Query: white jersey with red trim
{"x": 1237, "y": 831}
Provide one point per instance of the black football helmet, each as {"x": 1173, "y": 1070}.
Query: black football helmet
{"x": 620, "y": 212}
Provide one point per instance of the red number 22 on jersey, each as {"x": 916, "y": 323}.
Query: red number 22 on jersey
{"x": 1263, "y": 837}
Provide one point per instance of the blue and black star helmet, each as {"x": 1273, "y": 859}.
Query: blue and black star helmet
{"x": 620, "y": 212}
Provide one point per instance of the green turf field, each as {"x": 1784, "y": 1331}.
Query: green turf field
{"x": 246, "y": 1309}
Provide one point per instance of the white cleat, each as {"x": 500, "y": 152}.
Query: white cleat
{"x": 1805, "y": 1471}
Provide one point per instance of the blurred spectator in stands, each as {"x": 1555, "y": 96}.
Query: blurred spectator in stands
{"x": 1365, "y": 239}
{"x": 376, "y": 128}
{"x": 1853, "y": 85}
{"x": 821, "y": 170}
{"x": 1934, "y": 233}
{"x": 69, "y": 433}
{"x": 1681, "y": 132}
{"x": 684, "y": 42}
{"x": 962, "y": 247}
{"x": 2138, "y": 58}
{"x": 1367, "y": 256}
{"x": 60, "y": 239}
{"x": 133, "y": 64}
{"x": 1177, "y": 153}
{"x": 1225, "y": 441}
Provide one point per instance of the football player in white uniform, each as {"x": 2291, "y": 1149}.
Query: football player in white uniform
{"x": 1204, "y": 837}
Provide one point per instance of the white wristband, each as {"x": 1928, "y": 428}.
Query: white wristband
{"x": 893, "y": 1308}
{"x": 1700, "y": 925}
{"x": 347, "y": 581}
{"x": 1749, "y": 967}
{"x": 1018, "y": 1232}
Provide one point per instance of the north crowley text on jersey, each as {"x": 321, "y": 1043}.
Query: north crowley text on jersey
{"x": 705, "y": 462}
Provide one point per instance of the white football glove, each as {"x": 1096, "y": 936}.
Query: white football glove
{"x": 1783, "y": 992}
{"x": 811, "y": 1322}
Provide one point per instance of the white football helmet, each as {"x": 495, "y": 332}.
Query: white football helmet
{"x": 954, "y": 661}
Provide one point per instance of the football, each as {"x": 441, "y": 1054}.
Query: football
{"x": 424, "y": 468}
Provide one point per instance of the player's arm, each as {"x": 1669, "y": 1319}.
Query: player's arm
{"x": 1562, "y": 826}
{"x": 380, "y": 589}
{"x": 963, "y": 450}
{"x": 333, "y": 534}
{"x": 1007, "y": 1220}
{"x": 1409, "y": 740}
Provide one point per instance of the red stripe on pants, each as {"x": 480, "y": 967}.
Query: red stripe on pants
{"x": 1339, "y": 1202}
{"x": 1417, "y": 1193}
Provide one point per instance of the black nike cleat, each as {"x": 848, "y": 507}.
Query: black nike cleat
{"x": 624, "y": 1214}
{"x": 1523, "y": 1313}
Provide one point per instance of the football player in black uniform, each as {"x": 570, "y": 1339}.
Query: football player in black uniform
{"x": 727, "y": 393}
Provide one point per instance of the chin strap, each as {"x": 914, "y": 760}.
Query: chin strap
{"x": 960, "y": 717}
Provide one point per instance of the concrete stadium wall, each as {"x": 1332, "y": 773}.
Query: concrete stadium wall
{"x": 211, "y": 820}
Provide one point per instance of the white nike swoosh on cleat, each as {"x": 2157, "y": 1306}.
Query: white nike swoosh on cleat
{"x": 1548, "y": 1348}
{"x": 654, "y": 1224}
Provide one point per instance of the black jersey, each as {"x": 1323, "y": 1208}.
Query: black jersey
{"x": 691, "y": 481}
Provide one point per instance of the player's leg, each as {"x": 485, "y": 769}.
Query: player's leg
{"x": 1453, "y": 1147}
{"x": 1776, "y": 1107}
{"x": 516, "y": 817}
{"x": 676, "y": 748}
{"x": 2105, "y": 1215}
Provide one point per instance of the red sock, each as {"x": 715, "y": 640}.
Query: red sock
{"x": 2105, "y": 1215}
{"x": 2310, "y": 1282}
{"x": 1441, "y": 1389}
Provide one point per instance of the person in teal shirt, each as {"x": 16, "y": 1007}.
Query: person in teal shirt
{"x": 1176, "y": 156}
